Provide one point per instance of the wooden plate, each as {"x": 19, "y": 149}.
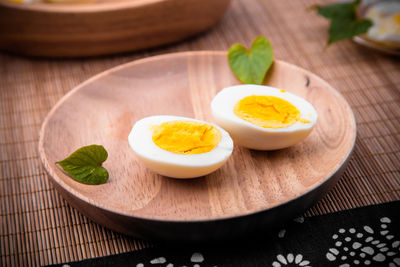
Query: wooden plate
{"x": 376, "y": 46}
{"x": 103, "y": 27}
{"x": 253, "y": 190}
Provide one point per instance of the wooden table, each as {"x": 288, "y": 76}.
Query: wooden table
{"x": 38, "y": 227}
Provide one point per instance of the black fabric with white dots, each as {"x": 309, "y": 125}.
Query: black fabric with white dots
{"x": 367, "y": 236}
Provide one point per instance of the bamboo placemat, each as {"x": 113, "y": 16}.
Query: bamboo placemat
{"x": 38, "y": 227}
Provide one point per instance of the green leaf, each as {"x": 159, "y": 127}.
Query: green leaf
{"x": 251, "y": 66}
{"x": 344, "y": 21}
{"x": 339, "y": 10}
{"x": 84, "y": 165}
{"x": 340, "y": 30}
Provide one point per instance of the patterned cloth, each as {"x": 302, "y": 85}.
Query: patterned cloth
{"x": 367, "y": 236}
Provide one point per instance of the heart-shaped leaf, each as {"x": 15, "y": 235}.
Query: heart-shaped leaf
{"x": 84, "y": 165}
{"x": 251, "y": 66}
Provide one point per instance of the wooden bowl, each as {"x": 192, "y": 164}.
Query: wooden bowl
{"x": 105, "y": 27}
{"x": 254, "y": 190}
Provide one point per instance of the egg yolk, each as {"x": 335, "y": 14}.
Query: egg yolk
{"x": 396, "y": 18}
{"x": 267, "y": 111}
{"x": 186, "y": 137}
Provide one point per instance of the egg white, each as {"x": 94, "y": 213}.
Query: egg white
{"x": 256, "y": 137}
{"x": 176, "y": 165}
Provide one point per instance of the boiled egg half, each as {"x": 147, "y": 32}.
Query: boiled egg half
{"x": 385, "y": 16}
{"x": 180, "y": 147}
{"x": 263, "y": 117}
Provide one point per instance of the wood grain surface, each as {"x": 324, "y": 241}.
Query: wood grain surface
{"x": 104, "y": 27}
{"x": 103, "y": 110}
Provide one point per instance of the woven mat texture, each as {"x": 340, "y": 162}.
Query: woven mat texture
{"x": 39, "y": 227}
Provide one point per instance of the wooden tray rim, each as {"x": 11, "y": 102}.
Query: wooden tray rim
{"x": 79, "y": 8}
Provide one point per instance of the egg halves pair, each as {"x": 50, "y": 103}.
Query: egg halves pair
{"x": 257, "y": 117}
